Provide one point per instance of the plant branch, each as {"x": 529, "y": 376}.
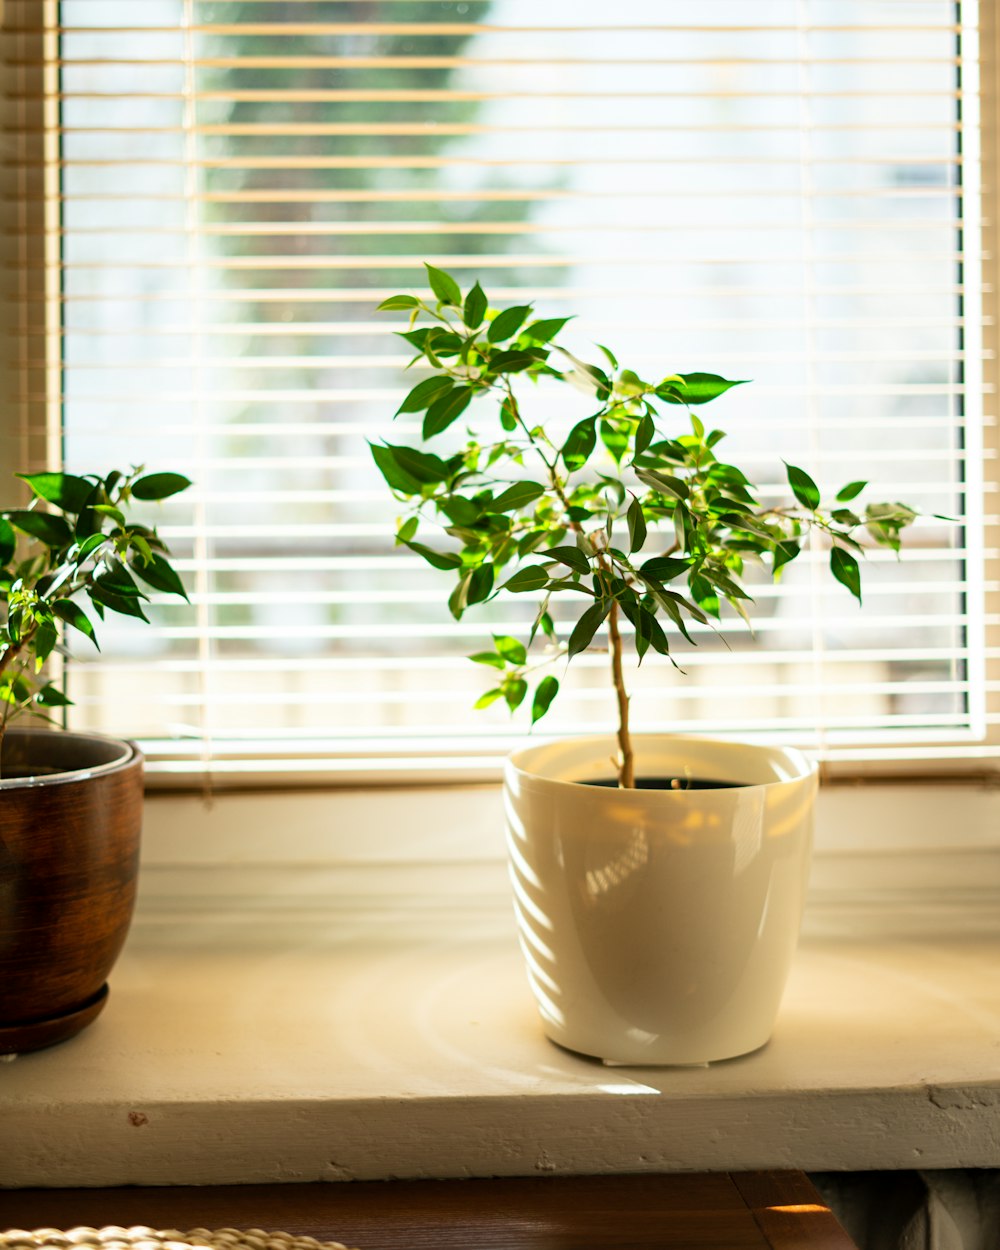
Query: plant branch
{"x": 712, "y": 506}
{"x": 626, "y": 767}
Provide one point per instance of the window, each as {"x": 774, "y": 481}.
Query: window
{"x": 213, "y": 195}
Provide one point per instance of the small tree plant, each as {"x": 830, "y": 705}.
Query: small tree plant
{"x": 631, "y": 518}
{"x": 81, "y": 546}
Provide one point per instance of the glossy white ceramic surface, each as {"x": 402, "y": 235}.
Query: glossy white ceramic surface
{"x": 658, "y": 926}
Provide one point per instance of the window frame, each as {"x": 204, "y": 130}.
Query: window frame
{"x": 31, "y": 368}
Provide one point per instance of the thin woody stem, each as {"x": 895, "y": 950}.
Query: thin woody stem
{"x": 626, "y": 768}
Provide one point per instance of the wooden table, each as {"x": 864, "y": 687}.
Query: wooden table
{"x": 717, "y": 1211}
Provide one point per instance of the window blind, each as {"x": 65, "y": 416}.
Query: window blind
{"x": 215, "y": 194}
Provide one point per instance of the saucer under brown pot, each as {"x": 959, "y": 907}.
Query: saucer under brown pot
{"x": 70, "y": 820}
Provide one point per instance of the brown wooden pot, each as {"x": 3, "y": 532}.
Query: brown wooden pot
{"x": 70, "y": 819}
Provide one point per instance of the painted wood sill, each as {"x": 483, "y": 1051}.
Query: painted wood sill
{"x": 246, "y": 1047}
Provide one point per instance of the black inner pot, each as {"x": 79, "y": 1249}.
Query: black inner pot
{"x": 669, "y": 783}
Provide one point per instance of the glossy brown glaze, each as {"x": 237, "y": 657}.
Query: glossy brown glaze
{"x": 69, "y": 857}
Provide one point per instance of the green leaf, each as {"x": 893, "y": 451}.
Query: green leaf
{"x": 510, "y": 649}
{"x": 851, "y": 491}
{"x": 609, "y": 355}
{"x": 514, "y": 692}
{"x": 784, "y": 553}
{"x": 513, "y": 361}
{"x": 592, "y": 373}
{"x": 125, "y": 605}
{"x": 488, "y": 657}
{"x": 629, "y": 383}
{"x": 444, "y": 286}
{"x": 8, "y": 541}
{"x": 507, "y": 323}
{"x": 641, "y": 622}
{"x": 844, "y": 516}
{"x": 14, "y": 688}
{"x": 159, "y": 574}
{"x": 517, "y": 496}
{"x": 458, "y": 600}
{"x": 106, "y": 509}
{"x": 671, "y": 604}
{"x": 51, "y": 530}
{"x": 614, "y": 436}
{"x": 489, "y": 697}
{"x": 89, "y": 546}
{"x": 568, "y": 584}
{"x": 722, "y": 581}
{"x": 803, "y": 487}
{"x": 614, "y": 487}
{"x": 885, "y": 521}
{"x": 160, "y": 485}
{"x": 407, "y": 470}
{"x": 427, "y": 468}
{"x": 531, "y": 541}
{"x": 408, "y": 529}
{"x": 508, "y": 416}
{"x": 587, "y": 626}
{"x": 475, "y": 308}
{"x": 665, "y": 483}
{"x": 846, "y": 570}
{"x": 547, "y": 624}
{"x": 395, "y": 302}
{"x": 534, "y": 577}
{"x": 63, "y": 489}
{"x": 664, "y": 568}
{"x": 416, "y": 338}
{"x": 480, "y": 583}
{"x": 424, "y": 394}
{"x": 704, "y": 594}
{"x": 88, "y": 523}
{"x": 459, "y": 511}
{"x": 44, "y": 642}
{"x": 546, "y": 330}
{"x": 571, "y": 556}
{"x": 656, "y": 634}
{"x": 74, "y": 615}
{"x": 695, "y": 388}
{"x": 439, "y": 559}
{"x": 636, "y": 526}
{"x": 579, "y": 444}
{"x": 117, "y": 579}
{"x": 52, "y": 696}
{"x": 444, "y": 411}
{"x": 546, "y": 691}
{"x": 644, "y": 435}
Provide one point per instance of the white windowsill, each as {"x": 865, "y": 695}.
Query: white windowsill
{"x": 282, "y": 1019}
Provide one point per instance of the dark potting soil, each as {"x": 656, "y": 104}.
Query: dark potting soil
{"x": 670, "y": 783}
{"x": 19, "y": 771}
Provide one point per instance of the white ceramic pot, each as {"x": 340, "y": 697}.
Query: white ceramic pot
{"x": 658, "y": 926}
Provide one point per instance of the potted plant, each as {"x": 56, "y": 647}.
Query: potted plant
{"x": 70, "y": 803}
{"x": 658, "y": 900}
